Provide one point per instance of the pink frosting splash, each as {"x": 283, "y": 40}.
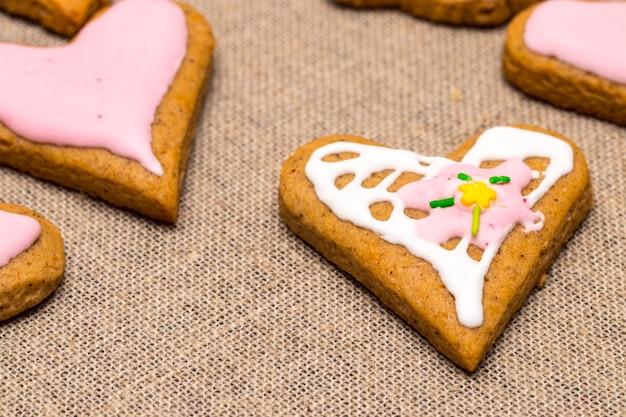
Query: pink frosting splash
{"x": 444, "y": 223}
{"x": 101, "y": 90}
{"x": 17, "y": 234}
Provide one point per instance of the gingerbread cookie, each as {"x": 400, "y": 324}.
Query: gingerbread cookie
{"x": 32, "y": 259}
{"x": 569, "y": 53}
{"x": 452, "y": 245}
{"x": 64, "y": 17}
{"x": 114, "y": 112}
{"x": 456, "y": 12}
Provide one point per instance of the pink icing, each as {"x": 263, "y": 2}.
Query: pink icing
{"x": 17, "y": 234}
{"x": 587, "y": 35}
{"x": 442, "y": 224}
{"x": 102, "y": 89}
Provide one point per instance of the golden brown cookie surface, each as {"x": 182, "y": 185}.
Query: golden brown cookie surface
{"x": 456, "y": 12}
{"x": 409, "y": 284}
{"x": 34, "y": 274}
{"x": 119, "y": 180}
{"x": 64, "y": 17}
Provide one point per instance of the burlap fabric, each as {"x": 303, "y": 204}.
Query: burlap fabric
{"x": 228, "y": 313}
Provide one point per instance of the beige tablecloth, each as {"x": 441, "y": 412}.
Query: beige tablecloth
{"x": 229, "y": 313}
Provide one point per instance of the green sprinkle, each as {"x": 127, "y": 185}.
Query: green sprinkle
{"x": 446, "y": 202}
{"x": 499, "y": 180}
{"x": 464, "y": 177}
{"x": 475, "y": 220}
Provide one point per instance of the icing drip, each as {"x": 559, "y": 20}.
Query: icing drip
{"x": 101, "y": 90}
{"x": 17, "y": 234}
{"x": 587, "y": 35}
{"x": 462, "y": 275}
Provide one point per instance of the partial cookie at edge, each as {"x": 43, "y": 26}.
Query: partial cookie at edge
{"x": 64, "y": 17}
{"x": 455, "y": 12}
{"x": 34, "y": 274}
{"x": 559, "y": 83}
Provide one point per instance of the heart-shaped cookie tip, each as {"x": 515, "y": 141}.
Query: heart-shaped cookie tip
{"x": 136, "y": 101}
{"x": 453, "y": 245}
{"x": 103, "y": 89}
{"x": 32, "y": 259}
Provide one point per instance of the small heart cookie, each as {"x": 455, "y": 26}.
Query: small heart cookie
{"x": 452, "y": 245}
{"x": 32, "y": 259}
{"x": 113, "y": 113}
{"x": 570, "y": 53}
{"x": 456, "y": 12}
{"x": 64, "y": 17}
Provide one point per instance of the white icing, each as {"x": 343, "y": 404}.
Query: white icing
{"x": 461, "y": 275}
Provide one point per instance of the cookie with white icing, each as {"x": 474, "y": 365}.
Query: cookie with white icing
{"x": 453, "y": 245}
{"x": 113, "y": 113}
{"x": 570, "y": 54}
{"x": 455, "y": 12}
{"x": 64, "y": 17}
{"x": 32, "y": 259}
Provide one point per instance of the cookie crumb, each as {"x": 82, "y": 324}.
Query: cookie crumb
{"x": 455, "y": 94}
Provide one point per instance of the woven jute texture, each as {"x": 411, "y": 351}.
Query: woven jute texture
{"x": 228, "y": 313}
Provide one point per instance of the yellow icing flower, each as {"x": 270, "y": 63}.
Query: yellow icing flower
{"x": 477, "y": 193}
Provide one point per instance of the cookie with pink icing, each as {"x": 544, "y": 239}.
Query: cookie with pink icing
{"x": 453, "y": 245}
{"x": 455, "y": 12}
{"x": 569, "y": 53}
{"x": 64, "y": 17}
{"x": 32, "y": 259}
{"x": 112, "y": 113}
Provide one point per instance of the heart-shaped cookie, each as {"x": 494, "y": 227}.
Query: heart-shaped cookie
{"x": 570, "y": 53}
{"x": 453, "y": 245}
{"x": 456, "y": 12}
{"x": 32, "y": 259}
{"x": 113, "y": 113}
{"x": 64, "y": 17}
